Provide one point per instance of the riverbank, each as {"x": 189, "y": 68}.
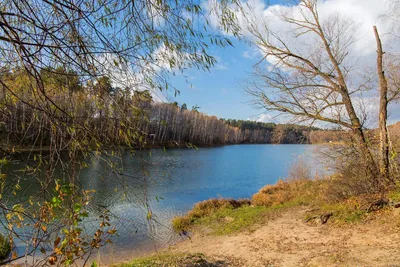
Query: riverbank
{"x": 293, "y": 227}
{"x": 287, "y": 240}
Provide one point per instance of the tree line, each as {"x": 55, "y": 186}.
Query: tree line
{"x": 104, "y": 108}
{"x": 170, "y": 122}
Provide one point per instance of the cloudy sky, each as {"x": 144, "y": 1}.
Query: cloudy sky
{"x": 220, "y": 92}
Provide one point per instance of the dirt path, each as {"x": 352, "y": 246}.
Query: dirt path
{"x": 288, "y": 241}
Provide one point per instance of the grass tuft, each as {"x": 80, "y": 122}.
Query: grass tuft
{"x": 5, "y": 247}
{"x": 168, "y": 259}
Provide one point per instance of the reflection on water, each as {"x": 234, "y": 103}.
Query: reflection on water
{"x": 177, "y": 179}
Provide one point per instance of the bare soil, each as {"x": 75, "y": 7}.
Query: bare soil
{"x": 288, "y": 240}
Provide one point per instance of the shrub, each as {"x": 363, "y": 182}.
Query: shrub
{"x": 300, "y": 170}
{"x": 271, "y": 195}
{"x": 351, "y": 176}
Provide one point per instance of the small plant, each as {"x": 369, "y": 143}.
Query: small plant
{"x": 170, "y": 259}
{"x": 5, "y": 247}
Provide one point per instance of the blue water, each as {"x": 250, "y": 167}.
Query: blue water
{"x": 172, "y": 181}
{"x": 178, "y": 178}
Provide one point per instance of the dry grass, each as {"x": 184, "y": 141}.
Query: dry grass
{"x": 271, "y": 195}
{"x": 299, "y": 188}
{"x": 299, "y": 192}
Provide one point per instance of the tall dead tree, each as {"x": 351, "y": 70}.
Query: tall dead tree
{"x": 383, "y": 113}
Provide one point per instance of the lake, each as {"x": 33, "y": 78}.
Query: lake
{"x": 176, "y": 180}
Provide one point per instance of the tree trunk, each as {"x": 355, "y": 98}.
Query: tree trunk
{"x": 360, "y": 137}
{"x": 383, "y": 133}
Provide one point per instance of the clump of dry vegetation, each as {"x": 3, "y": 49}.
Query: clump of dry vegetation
{"x": 295, "y": 192}
{"x": 300, "y": 187}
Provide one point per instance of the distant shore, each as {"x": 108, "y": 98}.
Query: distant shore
{"x": 26, "y": 148}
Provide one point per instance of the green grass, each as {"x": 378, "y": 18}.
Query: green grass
{"x": 205, "y": 209}
{"x": 395, "y": 195}
{"x": 342, "y": 213}
{"x": 228, "y": 220}
{"x": 168, "y": 259}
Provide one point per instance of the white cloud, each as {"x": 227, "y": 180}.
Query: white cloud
{"x": 124, "y": 75}
{"x": 224, "y": 91}
{"x": 356, "y": 18}
{"x": 275, "y": 117}
{"x": 221, "y": 66}
{"x": 246, "y": 54}
{"x": 268, "y": 118}
{"x": 138, "y": 76}
{"x": 252, "y": 53}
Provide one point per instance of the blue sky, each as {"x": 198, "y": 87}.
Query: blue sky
{"x": 220, "y": 91}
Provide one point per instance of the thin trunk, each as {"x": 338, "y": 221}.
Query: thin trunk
{"x": 383, "y": 86}
{"x": 360, "y": 135}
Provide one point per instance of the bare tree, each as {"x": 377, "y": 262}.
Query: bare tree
{"x": 308, "y": 73}
{"x": 383, "y": 113}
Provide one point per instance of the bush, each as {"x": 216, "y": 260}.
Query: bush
{"x": 271, "y": 195}
{"x": 5, "y": 247}
{"x": 351, "y": 176}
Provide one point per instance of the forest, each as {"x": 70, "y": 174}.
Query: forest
{"x": 159, "y": 123}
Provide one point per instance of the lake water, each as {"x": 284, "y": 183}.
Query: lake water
{"x": 176, "y": 180}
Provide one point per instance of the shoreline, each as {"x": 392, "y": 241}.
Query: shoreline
{"x": 288, "y": 240}
{"x": 24, "y": 149}
{"x": 285, "y": 224}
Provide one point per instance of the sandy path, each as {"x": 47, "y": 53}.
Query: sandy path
{"x": 288, "y": 241}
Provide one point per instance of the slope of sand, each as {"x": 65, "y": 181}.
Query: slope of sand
{"x": 288, "y": 241}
